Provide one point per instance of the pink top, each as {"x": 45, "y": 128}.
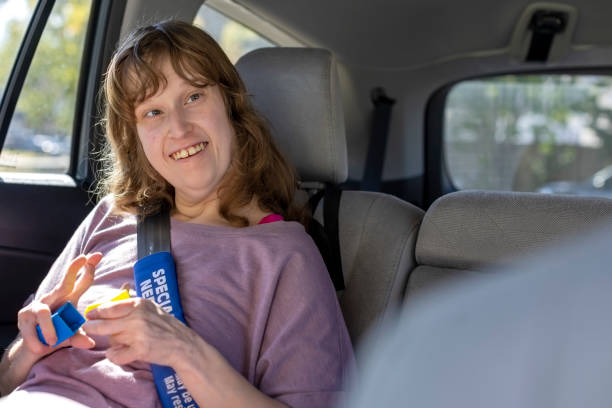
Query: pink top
{"x": 271, "y": 218}
{"x": 260, "y": 295}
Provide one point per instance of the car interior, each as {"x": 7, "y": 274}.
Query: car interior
{"x": 448, "y": 127}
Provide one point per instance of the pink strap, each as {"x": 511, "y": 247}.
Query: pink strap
{"x": 271, "y": 218}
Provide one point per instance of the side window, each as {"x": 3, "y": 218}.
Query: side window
{"x": 235, "y": 38}
{"x": 39, "y": 136}
{"x": 14, "y": 18}
{"x": 541, "y": 133}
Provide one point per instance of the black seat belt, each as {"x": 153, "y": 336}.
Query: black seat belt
{"x": 154, "y": 277}
{"x": 372, "y": 177}
{"x": 153, "y": 233}
{"x": 327, "y": 236}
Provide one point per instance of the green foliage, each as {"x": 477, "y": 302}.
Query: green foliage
{"x": 493, "y": 120}
{"x": 46, "y": 103}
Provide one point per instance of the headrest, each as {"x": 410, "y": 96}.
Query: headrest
{"x": 296, "y": 90}
{"x": 473, "y": 229}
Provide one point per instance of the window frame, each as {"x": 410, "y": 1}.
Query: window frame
{"x": 101, "y": 35}
{"x": 437, "y": 180}
{"x": 22, "y": 63}
{"x": 254, "y": 22}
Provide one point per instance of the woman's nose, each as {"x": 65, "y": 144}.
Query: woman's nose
{"x": 179, "y": 124}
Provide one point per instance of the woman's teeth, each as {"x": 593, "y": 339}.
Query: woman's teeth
{"x": 190, "y": 151}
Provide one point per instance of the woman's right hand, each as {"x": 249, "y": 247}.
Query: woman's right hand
{"x": 71, "y": 287}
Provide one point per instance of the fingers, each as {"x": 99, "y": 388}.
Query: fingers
{"x": 81, "y": 340}
{"x": 94, "y": 259}
{"x": 120, "y": 354}
{"x": 86, "y": 278}
{"x": 121, "y": 350}
{"x": 114, "y": 310}
{"x": 104, "y": 327}
{"x": 26, "y": 322}
{"x": 66, "y": 289}
{"x": 39, "y": 312}
{"x": 58, "y": 295}
{"x": 43, "y": 319}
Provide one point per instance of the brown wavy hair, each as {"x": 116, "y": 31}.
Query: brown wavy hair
{"x": 258, "y": 170}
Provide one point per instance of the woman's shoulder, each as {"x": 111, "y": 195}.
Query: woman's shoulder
{"x": 105, "y": 215}
{"x": 106, "y": 208}
{"x": 288, "y": 234}
{"x": 289, "y": 240}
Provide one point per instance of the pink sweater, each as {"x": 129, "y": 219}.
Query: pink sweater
{"x": 261, "y": 295}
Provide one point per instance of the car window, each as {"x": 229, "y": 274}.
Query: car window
{"x": 235, "y": 38}
{"x": 542, "y": 133}
{"x": 40, "y": 132}
{"x": 14, "y": 18}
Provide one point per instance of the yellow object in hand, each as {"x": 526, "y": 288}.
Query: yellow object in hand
{"x": 124, "y": 294}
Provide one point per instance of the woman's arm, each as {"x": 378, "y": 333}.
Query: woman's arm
{"x": 27, "y": 349}
{"x": 15, "y": 366}
{"x": 213, "y": 382}
{"x": 140, "y": 330}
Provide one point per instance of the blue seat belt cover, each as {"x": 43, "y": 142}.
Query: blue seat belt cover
{"x": 155, "y": 277}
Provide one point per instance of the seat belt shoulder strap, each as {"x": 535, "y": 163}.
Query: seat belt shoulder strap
{"x": 155, "y": 278}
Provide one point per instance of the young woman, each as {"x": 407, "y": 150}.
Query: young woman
{"x": 263, "y": 324}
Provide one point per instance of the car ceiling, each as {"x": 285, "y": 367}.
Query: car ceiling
{"x": 422, "y": 30}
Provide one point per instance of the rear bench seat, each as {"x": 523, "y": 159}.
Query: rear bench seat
{"x": 464, "y": 233}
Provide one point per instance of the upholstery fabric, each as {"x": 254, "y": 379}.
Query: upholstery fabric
{"x": 424, "y": 278}
{"x": 296, "y": 90}
{"x": 471, "y": 229}
{"x": 377, "y": 237}
{"x": 533, "y": 335}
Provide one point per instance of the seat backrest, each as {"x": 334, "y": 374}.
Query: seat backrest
{"x": 466, "y": 232}
{"x": 297, "y": 91}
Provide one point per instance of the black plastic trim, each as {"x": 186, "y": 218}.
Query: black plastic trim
{"x": 81, "y": 94}
{"x": 105, "y": 34}
{"x": 22, "y": 64}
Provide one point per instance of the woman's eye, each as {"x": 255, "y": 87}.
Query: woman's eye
{"x": 194, "y": 97}
{"x": 152, "y": 113}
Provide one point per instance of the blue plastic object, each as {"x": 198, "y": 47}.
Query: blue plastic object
{"x": 66, "y": 321}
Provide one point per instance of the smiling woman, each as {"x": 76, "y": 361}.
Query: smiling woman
{"x": 264, "y": 327}
{"x": 180, "y": 91}
{"x": 187, "y": 137}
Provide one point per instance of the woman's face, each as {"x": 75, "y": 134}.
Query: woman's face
{"x": 187, "y": 136}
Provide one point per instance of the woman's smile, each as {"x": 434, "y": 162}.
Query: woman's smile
{"x": 190, "y": 151}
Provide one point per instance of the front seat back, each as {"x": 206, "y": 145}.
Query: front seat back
{"x": 297, "y": 91}
{"x": 467, "y": 232}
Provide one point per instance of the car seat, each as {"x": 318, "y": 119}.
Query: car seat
{"x": 297, "y": 91}
{"x": 465, "y": 233}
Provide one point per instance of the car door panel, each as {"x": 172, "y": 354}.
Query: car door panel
{"x": 35, "y": 223}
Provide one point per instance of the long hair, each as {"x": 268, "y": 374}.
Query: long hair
{"x": 258, "y": 170}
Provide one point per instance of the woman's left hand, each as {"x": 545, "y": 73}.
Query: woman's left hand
{"x": 138, "y": 329}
